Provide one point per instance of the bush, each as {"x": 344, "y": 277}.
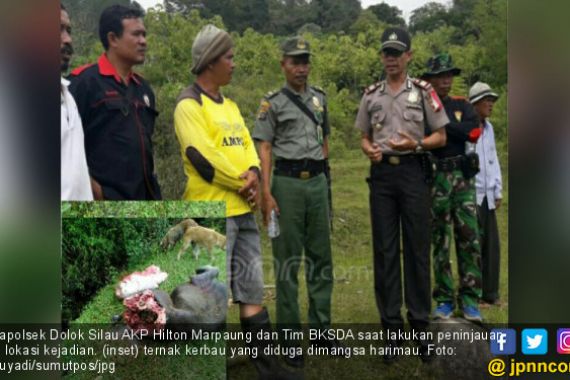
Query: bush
{"x": 95, "y": 250}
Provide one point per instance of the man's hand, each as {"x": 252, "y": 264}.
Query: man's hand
{"x": 498, "y": 203}
{"x": 267, "y": 205}
{"x": 250, "y": 189}
{"x": 406, "y": 142}
{"x": 371, "y": 150}
{"x": 97, "y": 190}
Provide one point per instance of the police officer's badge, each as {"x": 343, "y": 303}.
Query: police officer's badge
{"x": 393, "y": 37}
{"x": 316, "y": 102}
{"x": 378, "y": 126}
{"x": 413, "y": 97}
{"x": 301, "y": 44}
{"x": 146, "y": 100}
{"x": 458, "y": 115}
{"x": 263, "y": 108}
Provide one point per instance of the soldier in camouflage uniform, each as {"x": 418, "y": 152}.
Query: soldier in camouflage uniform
{"x": 454, "y": 198}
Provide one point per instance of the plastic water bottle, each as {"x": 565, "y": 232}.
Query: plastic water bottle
{"x": 273, "y": 227}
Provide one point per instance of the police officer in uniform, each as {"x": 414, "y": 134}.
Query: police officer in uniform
{"x": 454, "y": 198}
{"x": 292, "y": 127}
{"x": 392, "y": 118}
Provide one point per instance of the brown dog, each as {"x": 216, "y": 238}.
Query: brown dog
{"x": 174, "y": 234}
{"x": 203, "y": 236}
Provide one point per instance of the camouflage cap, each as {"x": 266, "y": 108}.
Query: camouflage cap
{"x": 396, "y": 38}
{"x": 439, "y": 64}
{"x": 295, "y": 46}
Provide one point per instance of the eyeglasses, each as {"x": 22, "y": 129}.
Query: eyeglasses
{"x": 392, "y": 52}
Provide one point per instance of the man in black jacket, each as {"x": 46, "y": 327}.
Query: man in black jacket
{"x": 454, "y": 198}
{"x": 117, "y": 108}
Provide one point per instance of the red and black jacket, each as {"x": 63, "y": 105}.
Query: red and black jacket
{"x": 118, "y": 120}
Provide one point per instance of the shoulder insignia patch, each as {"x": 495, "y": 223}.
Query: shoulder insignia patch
{"x": 271, "y": 94}
{"x": 432, "y": 99}
{"x": 80, "y": 69}
{"x": 372, "y": 87}
{"x": 422, "y": 84}
{"x": 319, "y": 89}
{"x": 263, "y": 108}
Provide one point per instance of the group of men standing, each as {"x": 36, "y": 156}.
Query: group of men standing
{"x": 400, "y": 119}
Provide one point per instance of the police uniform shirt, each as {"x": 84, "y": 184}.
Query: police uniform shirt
{"x": 293, "y": 134}
{"x": 384, "y": 112}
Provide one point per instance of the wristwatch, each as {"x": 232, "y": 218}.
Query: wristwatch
{"x": 419, "y": 146}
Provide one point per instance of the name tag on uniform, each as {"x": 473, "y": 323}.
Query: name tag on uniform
{"x": 414, "y": 106}
{"x": 375, "y": 108}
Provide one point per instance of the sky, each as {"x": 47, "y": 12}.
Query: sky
{"x": 407, "y": 6}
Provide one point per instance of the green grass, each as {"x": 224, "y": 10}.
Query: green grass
{"x": 353, "y": 295}
{"x": 146, "y": 209}
{"x": 105, "y": 305}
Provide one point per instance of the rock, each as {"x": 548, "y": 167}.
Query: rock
{"x": 471, "y": 358}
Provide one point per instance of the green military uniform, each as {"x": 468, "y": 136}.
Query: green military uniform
{"x": 299, "y": 187}
{"x": 454, "y": 201}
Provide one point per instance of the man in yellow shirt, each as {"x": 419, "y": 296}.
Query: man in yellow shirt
{"x": 221, "y": 164}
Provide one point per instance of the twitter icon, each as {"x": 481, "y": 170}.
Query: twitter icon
{"x": 534, "y": 341}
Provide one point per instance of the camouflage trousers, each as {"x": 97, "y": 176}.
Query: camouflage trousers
{"x": 454, "y": 205}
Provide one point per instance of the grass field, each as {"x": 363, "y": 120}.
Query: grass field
{"x": 99, "y": 312}
{"x": 353, "y": 295}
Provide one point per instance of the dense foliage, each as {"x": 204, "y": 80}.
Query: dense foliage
{"x": 345, "y": 58}
{"x": 96, "y": 250}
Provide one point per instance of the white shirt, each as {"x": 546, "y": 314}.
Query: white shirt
{"x": 75, "y": 182}
{"x": 488, "y": 181}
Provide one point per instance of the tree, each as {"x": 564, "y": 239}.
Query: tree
{"x": 336, "y": 15}
{"x": 391, "y": 15}
{"x": 182, "y": 6}
{"x": 490, "y": 17}
{"x": 84, "y": 15}
{"x": 286, "y": 17}
{"x": 428, "y": 18}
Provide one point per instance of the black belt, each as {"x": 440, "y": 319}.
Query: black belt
{"x": 449, "y": 164}
{"x": 303, "y": 169}
{"x": 394, "y": 159}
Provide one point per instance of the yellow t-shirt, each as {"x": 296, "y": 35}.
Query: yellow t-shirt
{"x": 216, "y": 132}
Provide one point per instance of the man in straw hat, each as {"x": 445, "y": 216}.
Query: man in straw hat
{"x": 454, "y": 198}
{"x": 489, "y": 186}
{"x": 221, "y": 164}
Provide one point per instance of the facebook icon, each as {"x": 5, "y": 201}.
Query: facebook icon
{"x": 503, "y": 341}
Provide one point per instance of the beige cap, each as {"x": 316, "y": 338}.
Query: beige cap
{"x": 210, "y": 43}
{"x": 479, "y": 91}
